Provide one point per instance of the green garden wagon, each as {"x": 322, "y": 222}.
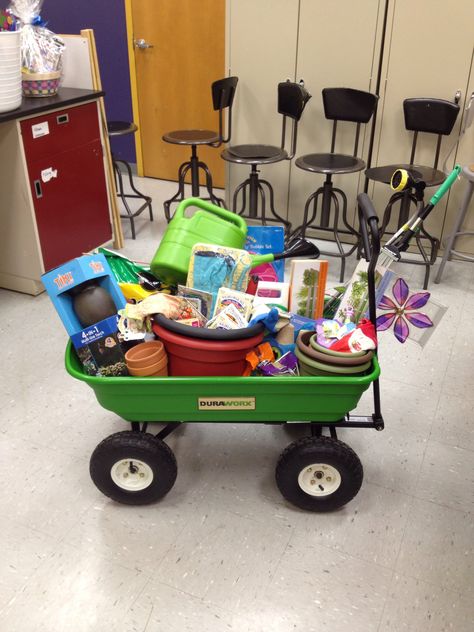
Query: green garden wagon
{"x": 315, "y": 472}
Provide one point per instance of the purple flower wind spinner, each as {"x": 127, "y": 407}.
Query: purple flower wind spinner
{"x": 402, "y": 313}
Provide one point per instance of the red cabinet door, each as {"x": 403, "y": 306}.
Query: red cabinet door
{"x": 70, "y": 202}
{"x": 53, "y": 132}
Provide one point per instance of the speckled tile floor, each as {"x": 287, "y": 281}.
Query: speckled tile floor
{"x": 224, "y": 551}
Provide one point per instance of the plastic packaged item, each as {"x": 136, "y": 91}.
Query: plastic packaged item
{"x": 228, "y": 318}
{"x": 202, "y": 300}
{"x": 271, "y": 293}
{"x": 362, "y": 338}
{"x": 241, "y": 301}
{"x": 41, "y": 49}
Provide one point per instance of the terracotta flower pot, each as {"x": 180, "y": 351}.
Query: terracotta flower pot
{"x": 145, "y": 353}
{"x": 305, "y": 345}
{"x": 159, "y": 368}
{"x": 147, "y": 359}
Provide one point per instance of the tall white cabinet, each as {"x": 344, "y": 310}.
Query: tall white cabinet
{"x": 428, "y": 52}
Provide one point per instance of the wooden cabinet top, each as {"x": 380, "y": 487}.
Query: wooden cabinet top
{"x": 32, "y": 106}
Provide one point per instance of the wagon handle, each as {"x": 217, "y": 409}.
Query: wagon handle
{"x": 369, "y": 220}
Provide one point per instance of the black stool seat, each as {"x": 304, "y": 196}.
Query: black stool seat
{"x": 254, "y": 154}
{"x": 191, "y": 137}
{"x": 327, "y": 206}
{"x": 330, "y": 163}
{"x": 432, "y": 177}
{"x": 223, "y": 92}
{"x": 120, "y": 128}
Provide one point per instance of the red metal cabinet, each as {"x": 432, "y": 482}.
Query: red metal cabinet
{"x": 65, "y": 166}
{"x": 71, "y": 208}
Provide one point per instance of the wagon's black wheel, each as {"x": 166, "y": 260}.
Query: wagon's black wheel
{"x": 319, "y": 473}
{"x": 133, "y": 467}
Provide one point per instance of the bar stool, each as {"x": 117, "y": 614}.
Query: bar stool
{"x": 121, "y": 128}
{"x": 432, "y": 116}
{"x": 340, "y": 104}
{"x": 292, "y": 99}
{"x": 223, "y": 92}
{"x": 468, "y": 173}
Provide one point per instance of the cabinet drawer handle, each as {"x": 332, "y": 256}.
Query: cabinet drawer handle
{"x": 38, "y": 190}
{"x": 62, "y": 118}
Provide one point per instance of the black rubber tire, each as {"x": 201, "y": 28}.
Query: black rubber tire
{"x": 134, "y": 445}
{"x": 308, "y": 450}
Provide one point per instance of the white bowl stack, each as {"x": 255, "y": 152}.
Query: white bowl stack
{"x": 10, "y": 64}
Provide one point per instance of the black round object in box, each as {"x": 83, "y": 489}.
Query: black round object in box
{"x": 92, "y": 303}
{"x": 208, "y": 334}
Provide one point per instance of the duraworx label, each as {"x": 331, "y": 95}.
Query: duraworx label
{"x": 226, "y": 403}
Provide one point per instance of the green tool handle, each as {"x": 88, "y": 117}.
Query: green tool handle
{"x": 447, "y": 184}
{"x": 211, "y": 208}
{"x": 257, "y": 260}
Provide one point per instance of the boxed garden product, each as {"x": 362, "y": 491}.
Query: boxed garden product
{"x": 96, "y": 341}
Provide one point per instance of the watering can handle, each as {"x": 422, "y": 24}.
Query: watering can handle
{"x": 211, "y": 208}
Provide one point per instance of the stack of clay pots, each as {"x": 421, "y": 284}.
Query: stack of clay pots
{"x": 314, "y": 359}
{"x": 148, "y": 359}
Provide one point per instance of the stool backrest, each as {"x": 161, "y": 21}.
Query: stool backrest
{"x": 292, "y": 100}
{"x": 348, "y": 104}
{"x": 223, "y": 92}
{"x": 433, "y": 116}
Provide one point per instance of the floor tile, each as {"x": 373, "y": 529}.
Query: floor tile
{"x": 393, "y": 457}
{"x": 316, "y": 588}
{"x": 415, "y": 606}
{"x": 135, "y": 537}
{"x": 43, "y": 488}
{"x": 453, "y": 423}
{"x": 370, "y": 527}
{"x": 23, "y": 551}
{"x": 224, "y": 559}
{"x": 160, "y": 608}
{"x": 459, "y": 376}
{"x": 447, "y": 476}
{"x": 438, "y": 547}
{"x": 73, "y": 592}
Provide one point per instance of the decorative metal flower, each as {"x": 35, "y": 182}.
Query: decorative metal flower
{"x": 403, "y": 311}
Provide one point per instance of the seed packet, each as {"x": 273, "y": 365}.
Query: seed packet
{"x": 194, "y": 295}
{"x": 228, "y": 318}
{"x": 242, "y": 302}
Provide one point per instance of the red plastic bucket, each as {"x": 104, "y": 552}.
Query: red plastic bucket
{"x": 194, "y": 356}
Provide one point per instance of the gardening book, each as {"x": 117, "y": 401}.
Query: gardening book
{"x": 354, "y": 304}
{"x": 307, "y": 287}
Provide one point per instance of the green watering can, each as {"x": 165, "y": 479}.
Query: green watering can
{"x": 211, "y": 224}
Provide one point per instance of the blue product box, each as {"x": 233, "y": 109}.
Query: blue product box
{"x": 97, "y": 346}
{"x": 60, "y": 280}
{"x": 260, "y": 241}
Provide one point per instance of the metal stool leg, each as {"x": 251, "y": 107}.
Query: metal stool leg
{"x": 256, "y": 191}
{"x": 456, "y": 232}
{"x": 285, "y": 222}
{"x": 121, "y": 195}
{"x": 136, "y": 195}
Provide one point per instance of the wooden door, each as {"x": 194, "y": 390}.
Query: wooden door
{"x": 174, "y": 78}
